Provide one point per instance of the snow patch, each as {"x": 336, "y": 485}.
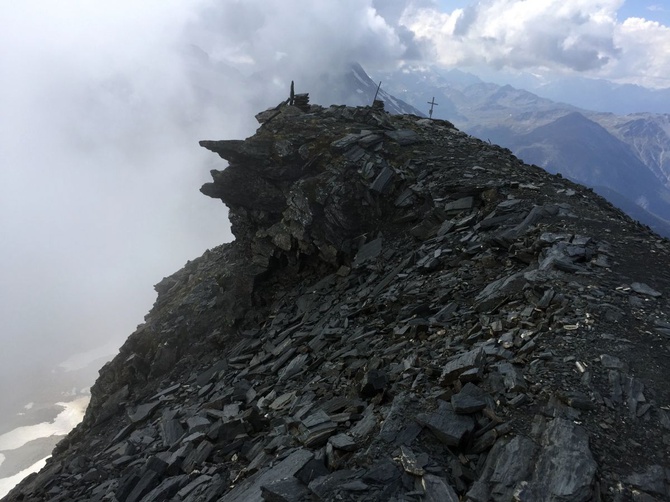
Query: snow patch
{"x": 72, "y": 414}
{"x": 6, "y": 484}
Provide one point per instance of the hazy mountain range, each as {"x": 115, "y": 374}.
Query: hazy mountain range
{"x": 625, "y": 158}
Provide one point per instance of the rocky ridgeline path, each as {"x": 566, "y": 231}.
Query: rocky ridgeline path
{"x": 406, "y": 314}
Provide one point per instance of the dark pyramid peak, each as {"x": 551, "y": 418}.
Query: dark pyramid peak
{"x": 406, "y": 312}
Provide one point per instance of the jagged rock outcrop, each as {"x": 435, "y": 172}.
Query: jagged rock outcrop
{"x": 407, "y": 313}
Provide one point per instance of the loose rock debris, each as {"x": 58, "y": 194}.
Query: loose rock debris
{"x": 407, "y": 313}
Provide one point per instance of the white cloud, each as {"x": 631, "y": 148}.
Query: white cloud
{"x": 102, "y": 107}
{"x": 645, "y": 57}
{"x": 564, "y": 36}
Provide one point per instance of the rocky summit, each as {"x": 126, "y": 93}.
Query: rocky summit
{"x": 406, "y": 314}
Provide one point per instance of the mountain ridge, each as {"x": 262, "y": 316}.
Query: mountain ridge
{"x": 508, "y": 115}
{"x": 406, "y": 313}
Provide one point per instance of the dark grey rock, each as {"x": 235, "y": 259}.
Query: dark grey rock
{"x": 126, "y": 485}
{"x": 176, "y": 460}
{"x": 250, "y": 489}
{"x": 374, "y": 382}
{"x": 462, "y": 204}
{"x": 146, "y": 483}
{"x": 404, "y": 136}
{"x": 565, "y": 468}
{"x": 209, "y": 490}
{"x": 399, "y": 427}
{"x": 317, "y": 428}
{"x": 285, "y": 490}
{"x": 197, "y": 424}
{"x": 313, "y": 469}
{"x": 197, "y": 456}
{"x": 325, "y": 487}
{"x": 644, "y": 289}
{"x": 436, "y": 489}
{"x": 143, "y": 411}
{"x": 383, "y": 180}
{"x": 611, "y": 362}
{"x": 473, "y": 359}
{"x": 651, "y": 480}
{"x": 469, "y": 400}
{"x": 196, "y": 485}
{"x": 167, "y": 489}
{"x": 512, "y": 377}
{"x": 493, "y": 294}
{"x": 448, "y": 426}
{"x": 511, "y": 462}
{"x": 365, "y": 425}
{"x": 383, "y": 472}
{"x": 409, "y": 461}
{"x": 343, "y": 442}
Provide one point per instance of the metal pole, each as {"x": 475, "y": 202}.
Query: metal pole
{"x": 375, "y": 98}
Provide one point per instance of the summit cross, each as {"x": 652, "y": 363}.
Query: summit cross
{"x": 431, "y": 103}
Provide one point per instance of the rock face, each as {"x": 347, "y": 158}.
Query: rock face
{"x": 407, "y": 313}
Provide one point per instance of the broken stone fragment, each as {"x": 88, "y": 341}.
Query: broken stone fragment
{"x": 196, "y": 457}
{"x": 317, "y": 428}
{"x": 343, "y": 442}
{"x": 473, "y": 359}
{"x": 383, "y": 180}
{"x": 462, "y": 204}
{"x": 368, "y": 252}
{"x": 565, "y": 468}
{"x": 345, "y": 142}
{"x": 398, "y": 427}
{"x": 167, "y": 489}
{"x": 171, "y": 431}
{"x": 143, "y": 411}
{"x": 469, "y": 400}
{"x": 382, "y": 472}
{"x": 313, "y": 469}
{"x": 611, "y": 362}
{"x": 373, "y": 383}
{"x": 512, "y": 377}
{"x": 284, "y": 490}
{"x": 654, "y": 480}
{"x": 404, "y": 136}
{"x": 436, "y": 489}
{"x": 643, "y": 289}
{"x": 409, "y": 461}
{"x": 326, "y": 486}
{"x": 447, "y": 426}
{"x": 493, "y": 294}
{"x": 250, "y": 490}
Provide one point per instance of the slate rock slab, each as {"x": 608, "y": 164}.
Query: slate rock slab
{"x": 644, "y": 289}
{"x": 284, "y": 490}
{"x": 469, "y": 400}
{"x": 251, "y": 489}
{"x": 461, "y": 364}
{"x": 437, "y": 490}
{"x": 448, "y": 426}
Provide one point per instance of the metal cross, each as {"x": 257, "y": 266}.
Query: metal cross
{"x": 431, "y": 103}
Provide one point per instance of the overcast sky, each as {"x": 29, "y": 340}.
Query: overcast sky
{"x": 102, "y": 104}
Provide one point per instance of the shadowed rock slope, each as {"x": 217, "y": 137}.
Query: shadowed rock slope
{"x": 407, "y": 313}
